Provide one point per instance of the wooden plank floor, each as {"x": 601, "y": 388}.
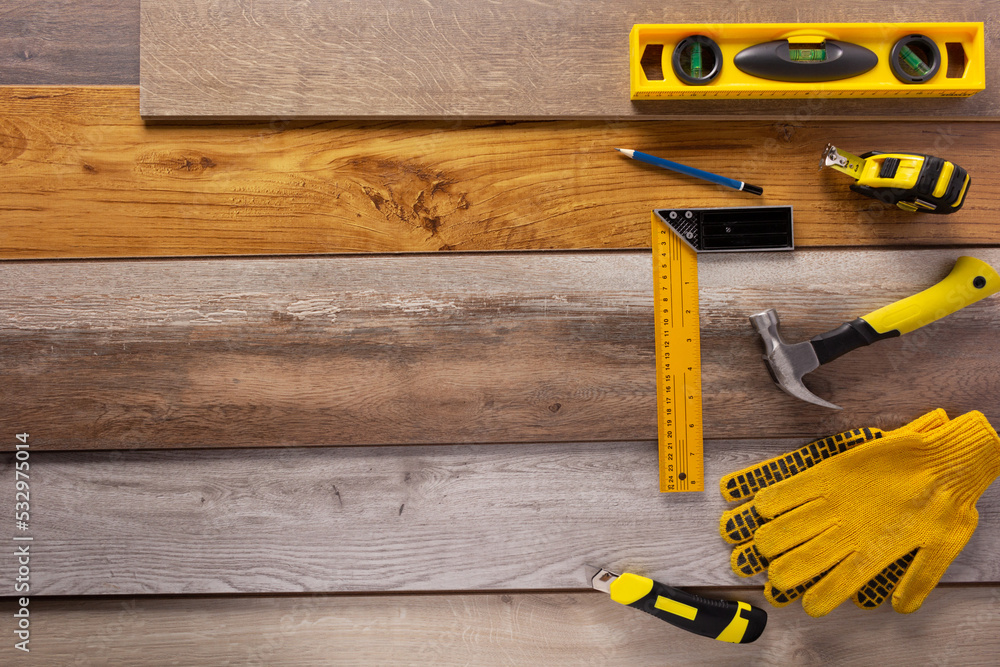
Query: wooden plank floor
{"x": 526, "y": 186}
{"x": 126, "y": 189}
{"x": 447, "y": 348}
{"x": 954, "y": 627}
{"x": 368, "y": 519}
{"x": 451, "y": 58}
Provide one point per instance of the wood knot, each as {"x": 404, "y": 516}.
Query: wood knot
{"x": 554, "y": 408}
{"x": 174, "y": 164}
{"x": 195, "y": 164}
{"x": 12, "y": 141}
{"x": 785, "y": 131}
{"x": 404, "y": 191}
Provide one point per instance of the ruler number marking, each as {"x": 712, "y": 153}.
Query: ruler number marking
{"x": 678, "y": 454}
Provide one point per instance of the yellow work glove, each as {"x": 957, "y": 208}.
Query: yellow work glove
{"x": 849, "y": 517}
{"x": 739, "y": 525}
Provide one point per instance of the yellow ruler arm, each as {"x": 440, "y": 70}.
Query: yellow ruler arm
{"x": 678, "y": 362}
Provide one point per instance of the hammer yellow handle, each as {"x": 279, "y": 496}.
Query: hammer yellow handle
{"x": 969, "y": 281}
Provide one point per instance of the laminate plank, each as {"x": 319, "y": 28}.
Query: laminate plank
{"x": 956, "y": 626}
{"x": 368, "y": 519}
{"x": 62, "y": 42}
{"x": 453, "y": 348}
{"x": 520, "y": 58}
{"x": 84, "y": 177}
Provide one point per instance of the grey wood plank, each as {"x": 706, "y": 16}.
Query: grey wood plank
{"x": 956, "y": 626}
{"x": 62, "y": 42}
{"x": 365, "y": 519}
{"x": 519, "y": 58}
{"x": 455, "y": 348}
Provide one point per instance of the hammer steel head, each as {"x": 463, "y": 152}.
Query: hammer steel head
{"x": 787, "y": 363}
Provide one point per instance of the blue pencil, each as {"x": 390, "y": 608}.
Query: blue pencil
{"x": 691, "y": 171}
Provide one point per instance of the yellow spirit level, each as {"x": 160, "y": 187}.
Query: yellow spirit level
{"x": 776, "y": 60}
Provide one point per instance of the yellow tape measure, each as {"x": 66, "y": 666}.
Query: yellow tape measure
{"x": 678, "y": 362}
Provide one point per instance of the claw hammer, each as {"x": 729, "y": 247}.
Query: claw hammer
{"x": 970, "y": 280}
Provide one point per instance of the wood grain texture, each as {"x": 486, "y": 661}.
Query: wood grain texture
{"x": 957, "y": 626}
{"x": 520, "y": 58}
{"x": 451, "y": 348}
{"x": 84, "y": 177}
{"x": 62, "y": 42}
{"x": 366, "y": 519}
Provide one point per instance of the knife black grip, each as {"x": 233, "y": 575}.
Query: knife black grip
{"x": 725, "y": 620}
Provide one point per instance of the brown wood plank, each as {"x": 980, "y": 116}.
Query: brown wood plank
{"x": 447, "y": 348}
{"x": 62, "y": 42}
{"x": 520, "y": 58}
{"x": 365, "y": 519}
{"x": 83, "y": 177}
{"x": 957, "y": 625}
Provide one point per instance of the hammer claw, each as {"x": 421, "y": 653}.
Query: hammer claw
{"x": 799, "y": 390}
{"x": 787, "y": 363}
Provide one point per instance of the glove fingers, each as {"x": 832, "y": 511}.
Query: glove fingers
{"x": 869, "y": 596}
{"x": 875, "y": 592}
{"x": 923, "y": 574}
{"x": 743, "y": 484}
{"x": 780, "y": 598}
{"x": 746, "y": 561}
{"x": 927, "y": 422}
{"x": 738, "y": 525}
{"x": 838, "y": 584}
{"x": 793, "y": 528}
{"x": 804, "y": 562}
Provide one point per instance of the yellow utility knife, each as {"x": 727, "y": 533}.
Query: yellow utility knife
{"x": 725, "y": 620}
